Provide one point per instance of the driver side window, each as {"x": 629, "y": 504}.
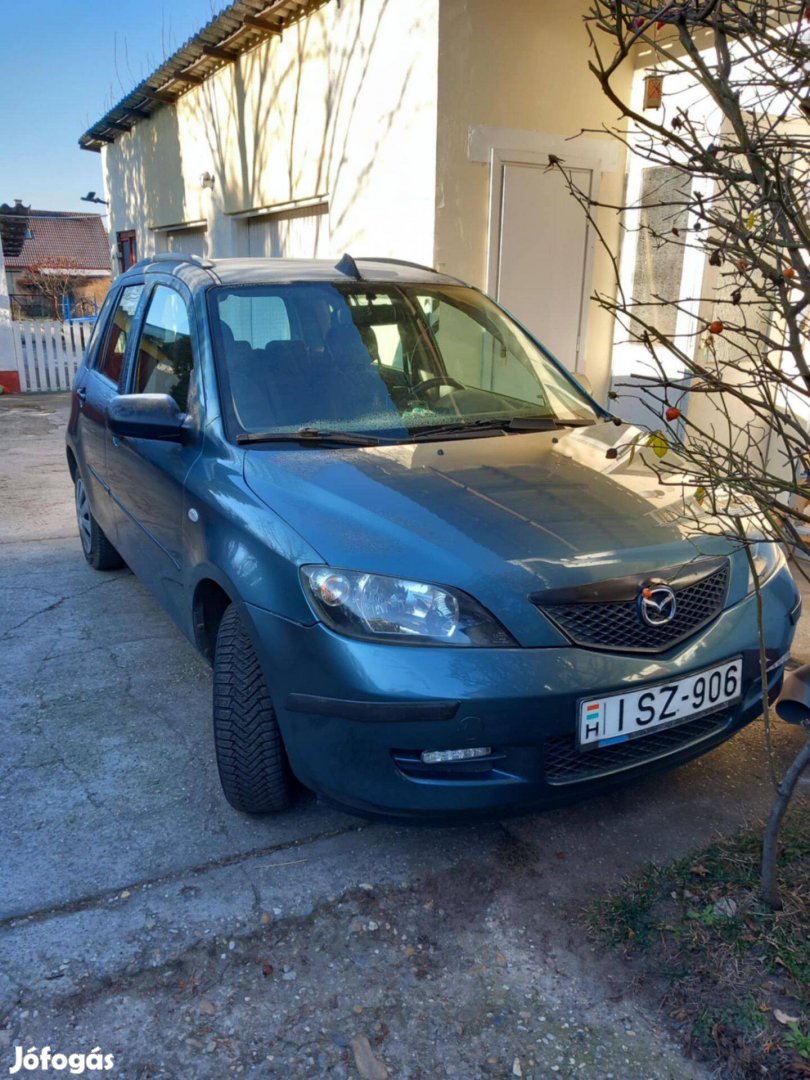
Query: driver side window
{"x": 165, "y": 358}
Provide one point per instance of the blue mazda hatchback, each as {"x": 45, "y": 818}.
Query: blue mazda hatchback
{"x": 428, "y": 578}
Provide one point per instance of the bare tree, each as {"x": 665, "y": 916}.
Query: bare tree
{"x": 56, "y": 281}
{"x": 719, "y": 131}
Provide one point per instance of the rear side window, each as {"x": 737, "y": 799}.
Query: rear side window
{"x": 101, "y": 321}
{"x": 254, "y": 318}
{"x": 165, "y": 359}
{"x": 111, "y": 358}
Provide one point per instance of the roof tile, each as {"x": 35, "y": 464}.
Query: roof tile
{"x": 80, "y": 239}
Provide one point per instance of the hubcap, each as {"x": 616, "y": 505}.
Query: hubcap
{"x": 83, "y": 517}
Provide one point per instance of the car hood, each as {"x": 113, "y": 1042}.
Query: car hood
{"x": 499, "y": 517}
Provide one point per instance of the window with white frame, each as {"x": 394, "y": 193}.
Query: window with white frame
{"x": 661, "y": 271}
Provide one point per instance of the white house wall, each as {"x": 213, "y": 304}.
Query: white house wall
{"x": 522, "y": 68}
{"x": 342, "y": 109}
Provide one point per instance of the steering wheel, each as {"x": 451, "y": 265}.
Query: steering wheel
{"x": 438, "y": 380}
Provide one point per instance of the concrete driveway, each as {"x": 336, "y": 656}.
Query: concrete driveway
{"x": 120, "y": 855}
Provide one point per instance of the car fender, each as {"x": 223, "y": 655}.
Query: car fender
{"x": 235, "y": 540}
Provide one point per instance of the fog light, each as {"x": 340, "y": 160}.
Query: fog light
{"x": 441, "y": 757}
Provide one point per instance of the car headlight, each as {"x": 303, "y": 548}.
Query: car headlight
{"x": 768, "y": 558}
{"x": 399, "y": 611}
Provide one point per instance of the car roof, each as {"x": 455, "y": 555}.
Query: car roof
{"x": 197, "y": 271}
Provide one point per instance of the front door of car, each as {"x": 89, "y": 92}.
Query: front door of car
{"x": 94, "y": 389}
{"x": 146, "y": 475}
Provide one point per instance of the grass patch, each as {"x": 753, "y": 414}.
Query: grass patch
{"x": 735, "y": 975}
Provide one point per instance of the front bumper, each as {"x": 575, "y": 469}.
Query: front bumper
{"x": 355, "y": 715}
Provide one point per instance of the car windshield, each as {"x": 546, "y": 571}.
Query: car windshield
{"x": 385, "y": 361}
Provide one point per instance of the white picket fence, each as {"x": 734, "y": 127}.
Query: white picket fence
{"x": 49, "y": 353}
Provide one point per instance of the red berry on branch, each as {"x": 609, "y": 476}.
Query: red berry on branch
{"x": 641, "y": 21}
{"x": 790, "y": 273}
{"x": 672, "y": 413}
{"x": 716, "y": 327}
{"x": 660, "y": 24}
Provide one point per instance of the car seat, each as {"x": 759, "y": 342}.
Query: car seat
{"x": 353, "y": 385}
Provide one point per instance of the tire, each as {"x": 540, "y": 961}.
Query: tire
{"x": 97, "y": 549}
{"x": 251, "y": 758}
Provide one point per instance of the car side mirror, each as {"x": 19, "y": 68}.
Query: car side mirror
{"x": 146, "y": 416}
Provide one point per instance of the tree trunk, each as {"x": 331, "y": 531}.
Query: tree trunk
{"x": 768, "y": 887}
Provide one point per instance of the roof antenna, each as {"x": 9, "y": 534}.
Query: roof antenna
{"x": 348, "y": 266}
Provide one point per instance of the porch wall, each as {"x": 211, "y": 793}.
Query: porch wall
{"x": 343, "y": 107}
{"x": 521, "y": 66}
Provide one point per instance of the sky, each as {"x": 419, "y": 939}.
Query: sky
{"x": 63, "y": 63}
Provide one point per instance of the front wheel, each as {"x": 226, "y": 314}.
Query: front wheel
{"x": 251, "y": 758}
{"x": 97, "y": 549}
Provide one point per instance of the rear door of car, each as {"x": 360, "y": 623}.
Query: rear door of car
{"x": 147, "y": 476}
{"x": 93, "y": 390}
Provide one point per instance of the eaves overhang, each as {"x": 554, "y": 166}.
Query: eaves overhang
{"x": 238, "y": 28}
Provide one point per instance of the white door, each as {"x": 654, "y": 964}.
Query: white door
{"x": 294, "y": 234}
{"x": 540, "y": 248}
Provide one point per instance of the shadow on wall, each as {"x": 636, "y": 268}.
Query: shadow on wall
{"x": 339, "y": 108}
{"x": 295, "y": 128}
{"x": 145, "y": 168}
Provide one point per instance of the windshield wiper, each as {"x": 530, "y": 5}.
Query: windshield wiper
{"x": 578, "y": 421}
{"x": 313, "y": 436}
{"x": 512, "y": 423}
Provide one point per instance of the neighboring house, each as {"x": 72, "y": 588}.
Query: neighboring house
{"x": 64, "y": 265}
{"x": 419, "y": 130}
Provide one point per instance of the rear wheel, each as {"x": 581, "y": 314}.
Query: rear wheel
{"x": 97, "y": 549}
{"x": 251, "y": 758}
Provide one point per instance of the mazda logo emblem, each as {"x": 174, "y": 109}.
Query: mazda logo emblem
{"x": 657, "y": 605}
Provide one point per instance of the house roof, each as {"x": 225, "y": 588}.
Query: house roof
{"x": 240, "y": 26}
{"x": 59, "y": 237}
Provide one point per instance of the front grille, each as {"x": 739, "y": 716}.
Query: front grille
{"x": 566, "y": 764}
{"x": 617, "y": 625}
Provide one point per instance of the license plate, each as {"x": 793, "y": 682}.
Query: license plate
{"x": 616, "y": 718}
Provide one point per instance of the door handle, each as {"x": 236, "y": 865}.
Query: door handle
{"x": 81, "y": 394}
{"x": 116, "y": 441}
